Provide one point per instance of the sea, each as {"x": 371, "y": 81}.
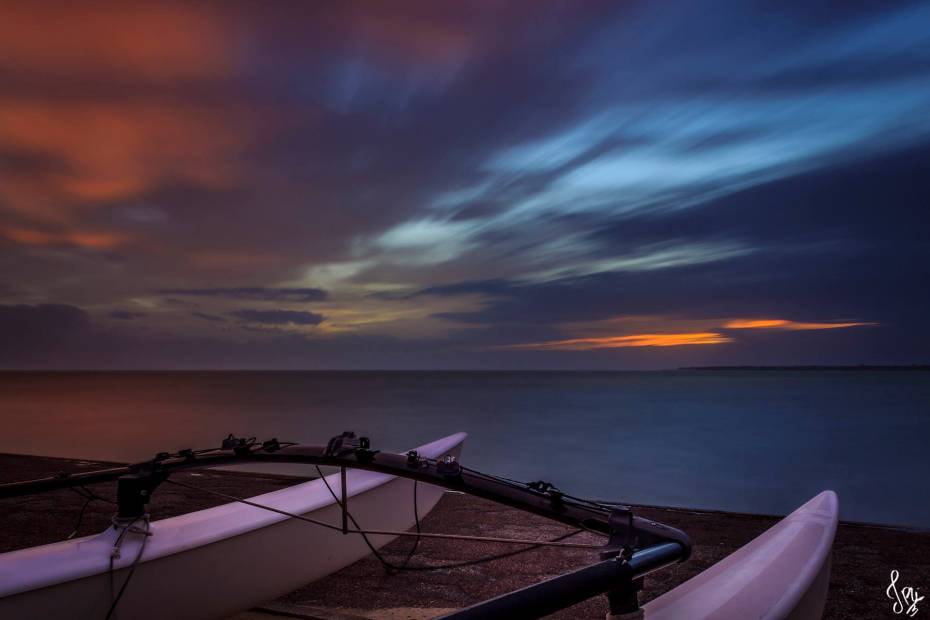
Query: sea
{"x": 759, "y": 441}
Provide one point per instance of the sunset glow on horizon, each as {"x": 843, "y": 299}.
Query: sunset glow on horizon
{"x": 632, "y": 340}
{"x": 673, "y": 339}
{"x": 789, "y": 325}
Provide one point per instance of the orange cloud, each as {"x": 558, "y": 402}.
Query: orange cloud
{"x": 784, "y": 324}
{"x": 91, "y": 100}
{"x": 130, "y": 40}
{"x": 110, "y": 151}
{"x": 632, "y": 340}
{"x": 112, "y": 99}
{"x": 83, "y": 239}
{"x": 702, "y": 332}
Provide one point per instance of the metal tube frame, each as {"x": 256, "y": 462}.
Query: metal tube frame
{"x": 635, "y": 547}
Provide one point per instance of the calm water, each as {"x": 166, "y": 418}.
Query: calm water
{"x": 749, "y": 441}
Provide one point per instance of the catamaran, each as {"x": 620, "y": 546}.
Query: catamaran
{"x": 215, "y": 562}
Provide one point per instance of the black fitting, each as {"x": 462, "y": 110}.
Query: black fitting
{"x": 541, "y": 486}
{"x": 364, "y": 453}
{"x": 448, "y": 467}
{"x": 622, "y": 533}
{"x": 547, "y": 488}
{"x": 343, "y": 444}
{"x": 244, "y": 447}
{"x": 133, "y": 492}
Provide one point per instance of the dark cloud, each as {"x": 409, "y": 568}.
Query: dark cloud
{"x": 496, "y": 286}
{"x": 50, "y": 319}
{"x": 839, "y": 74}
{"x": 279, "y": 317}
{"x": 6, "y": 290}
{"x": 34, "y": 334}
{"x": 27, "y": 161}
{"x": 214, "y": 318}
{"x": 252, "y": 292}
{"x": 125, "y": 315}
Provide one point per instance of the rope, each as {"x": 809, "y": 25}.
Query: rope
{"x": 80, "y": 518}
{"x": 416, "y": 520}
{"x": 89, "y": 497}
{"x": 464, "y": 537}
{"x": 115, "y": 554}
{"x": 386, "y": 564}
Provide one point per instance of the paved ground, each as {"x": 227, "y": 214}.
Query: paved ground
{"x": 863, "y": 555}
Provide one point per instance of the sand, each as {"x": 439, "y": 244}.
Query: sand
{"x": 863, "y": 555}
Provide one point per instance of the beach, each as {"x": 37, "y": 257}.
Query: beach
{"x": 863, "y": 555}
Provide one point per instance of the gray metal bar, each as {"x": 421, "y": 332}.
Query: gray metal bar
{"x": 550, "y": 596}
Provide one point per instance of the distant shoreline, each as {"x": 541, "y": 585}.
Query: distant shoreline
{"x": 462, "y": 371}
{"x": 868, "y": 367}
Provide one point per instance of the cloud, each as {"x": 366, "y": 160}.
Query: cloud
{"x": 809, "y": 258}
{"x": 631, "y": 340}
{"x": 87, "y": 239}
{"x": 665, "y": 331}
{"x": 179, "y": 303}
{"x": 43, "y": 318}
{"x": 784, "y": 324}
{"x": 477, "y": 287}
{"x": 711, "y": 162}
{"x": 134, "y": 41}
{"x": 125, "y": 315}
{"x": 214, "y": 318}
{"x": 279, "y": 317}
{"x": 36, "y": 334}
{"x": 259, "y": 293}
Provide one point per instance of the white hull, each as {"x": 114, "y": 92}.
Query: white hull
{"x": 215, "y": 562}
{"x": 782, "y": 574}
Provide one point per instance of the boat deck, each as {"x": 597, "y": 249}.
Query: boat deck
{"x": 862, "y": 560}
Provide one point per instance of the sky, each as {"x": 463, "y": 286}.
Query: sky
{"x": 468, "y": 185}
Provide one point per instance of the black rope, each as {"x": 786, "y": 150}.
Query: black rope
{"x": 389, "y": 566}
{"x": 541, "y": 543}
{"x": 489, "y": 558}
{"x": 416, "y": 517}
{"x": 89, "y": 497}
{"x": 80, "y": 518}
{"x": 88, "y": 494}
{"x": 132, "y": 567}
